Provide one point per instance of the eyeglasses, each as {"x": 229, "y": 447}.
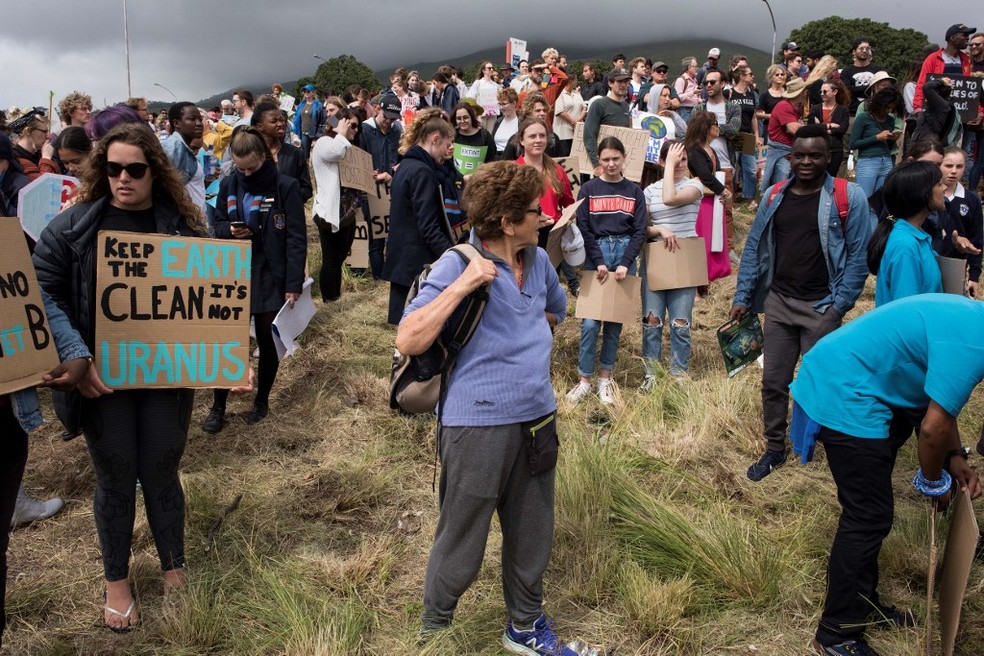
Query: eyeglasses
{"x": 535, "y": 210}
{"x": 489, "y": 68}
{"x": 710, "y": 82}
{"x": 462, "y": 118}
{"x": 662, "y": 71}
{"x": 136, "y": 170}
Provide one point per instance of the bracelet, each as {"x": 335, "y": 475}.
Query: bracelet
{"x": 932, "y": 488}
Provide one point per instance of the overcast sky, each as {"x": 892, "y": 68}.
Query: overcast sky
{"x": 200, "y": 48}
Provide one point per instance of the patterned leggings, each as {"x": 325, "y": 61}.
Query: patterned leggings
{"x": 138, "y": 435}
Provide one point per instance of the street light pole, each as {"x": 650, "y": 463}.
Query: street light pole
{"x": 772, "y": 16}
{"x": 158, "y": 84}
{"x": 126, "y": 40}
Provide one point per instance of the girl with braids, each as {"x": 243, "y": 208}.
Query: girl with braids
{"x": 258, "y": 203}
{"x": 133, "y": 435}
{"x": 424, "y": 206}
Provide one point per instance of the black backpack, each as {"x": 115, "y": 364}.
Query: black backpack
{"x": 418, "y": 383}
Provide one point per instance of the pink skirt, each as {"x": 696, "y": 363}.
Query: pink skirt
{"x": 718, "y": 264}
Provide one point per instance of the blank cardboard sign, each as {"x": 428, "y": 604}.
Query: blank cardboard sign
{"x": 27, "y": 349}
{"x": 957, "y": 559}
{"x": 618, "y": 301}
{"x": 686, "y": 267}
{"x": 172, "y": 311}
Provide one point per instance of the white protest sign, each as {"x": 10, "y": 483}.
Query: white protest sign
{"x": 39, "y": 202}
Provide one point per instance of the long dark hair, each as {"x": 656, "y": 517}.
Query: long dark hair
{"x": 698, "y": 128}
{"x": 908, "y": 190}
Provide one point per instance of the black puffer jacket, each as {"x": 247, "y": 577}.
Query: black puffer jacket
{"x": 64, "y": 259}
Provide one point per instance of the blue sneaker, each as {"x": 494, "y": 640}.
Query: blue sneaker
{"x": 769, "y": 461}
{"x": 540, "y": 641}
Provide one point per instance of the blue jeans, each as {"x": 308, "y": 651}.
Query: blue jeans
{"x": 748, "y": 175}
{"x": 612, "y": 249}
{"x": 871, "y": 173}
{"x": 679, "y": 304}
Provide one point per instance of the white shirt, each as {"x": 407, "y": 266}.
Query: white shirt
{"x": 719, "y": 145}
{"x": 507, "y": 128}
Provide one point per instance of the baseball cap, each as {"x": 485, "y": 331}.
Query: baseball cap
{"x": 619, "y": 74}
{"x": 391, "y": 106}
{"x": 660, "y": 64}
{"x": 714, "y": 52}
{"x": 308, "y": 87}
{"x": 790, "y": 45}
{"x": 959, "y": 28}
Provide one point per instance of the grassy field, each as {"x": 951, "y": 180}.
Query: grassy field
{"x": 662, "y": 545}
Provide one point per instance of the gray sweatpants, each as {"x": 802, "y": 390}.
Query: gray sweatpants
{"x": 484, "y": 469}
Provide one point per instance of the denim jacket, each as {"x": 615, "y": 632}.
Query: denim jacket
{"x": 844, "y": 250}
{"x": 181, "y": 156}
{"x": 27, "y": 407}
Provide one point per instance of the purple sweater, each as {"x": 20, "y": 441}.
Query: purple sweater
{"x": 502, "y": 376}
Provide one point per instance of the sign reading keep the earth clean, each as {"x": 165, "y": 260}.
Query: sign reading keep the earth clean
{"x": 172, "y": 311}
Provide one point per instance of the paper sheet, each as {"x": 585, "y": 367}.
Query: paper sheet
{"x": 291, "y": 322}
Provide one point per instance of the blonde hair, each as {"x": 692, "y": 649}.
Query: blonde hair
{"x": 550, "y": 52}
{"x": 822, "y": 69}
{"x": 425, "y": 123}
{"x": 70, "y": 102}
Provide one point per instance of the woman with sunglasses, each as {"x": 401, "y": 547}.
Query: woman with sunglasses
{"x": 832, "y": 112}
{"x": 776, "y": 75}
{"x": 133, "y": 435}
{"x": 473, "y": 145}
{"x": 259, "y": 204}
{"x": 485, "y": 92}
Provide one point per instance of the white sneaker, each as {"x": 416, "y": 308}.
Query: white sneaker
{"x": 27, "y": 510}
{"x": 606, "y": 391}
{"x": 648, "y": 384}
{"x": 579, "y": 392}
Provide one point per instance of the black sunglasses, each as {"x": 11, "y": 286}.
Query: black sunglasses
{"x": 537, "y": 210}
{"x": 136, "y": 170}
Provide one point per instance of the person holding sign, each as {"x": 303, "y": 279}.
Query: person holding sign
{"x": 20, "y": 413}
{"x": 128, "y": 184}
{"x": 336, "y": 208}
{"x": 497, "y": 440}
{"x": 485, "y": 92}
{"x": 473, "y": 145}
{"x": 673, "y": 204}
{"x": 898, "y": 357}
{"x": 613, "y": 222}
{"x": 259, "y": 204}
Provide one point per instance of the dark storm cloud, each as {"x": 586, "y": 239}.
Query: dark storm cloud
{"x": 200, "y": 48}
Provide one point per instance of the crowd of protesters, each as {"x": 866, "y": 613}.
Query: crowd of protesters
{"x": 454, "y": 153}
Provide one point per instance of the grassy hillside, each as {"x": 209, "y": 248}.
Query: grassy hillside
{"x": 662, "y": 545}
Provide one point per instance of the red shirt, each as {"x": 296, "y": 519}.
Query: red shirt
{"x": 552, "y": 204}
{"x": 783, "y": 114}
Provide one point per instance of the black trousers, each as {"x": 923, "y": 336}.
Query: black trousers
{"x": 335, "y": 247}
{"x": 269, "y": 363}
{"x": 862, "y": 470}
{"x": 138, "y": 435}
{"x": 13, "y": 458}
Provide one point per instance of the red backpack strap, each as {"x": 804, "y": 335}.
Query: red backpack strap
{"x": 776, "y": 188}
{"x": 840, "y": 200}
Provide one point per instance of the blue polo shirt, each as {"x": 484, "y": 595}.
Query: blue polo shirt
{"x": 908, "y": 266}
{"x": 901, "y": 355}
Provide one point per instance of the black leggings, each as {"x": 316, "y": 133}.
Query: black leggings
{"x": 268, "y": 366}
{"x": 836, "y": 157}
{"x": 138, "y": 435}
{"x": 335, "y": 247}
{"x": 13, "y": 458}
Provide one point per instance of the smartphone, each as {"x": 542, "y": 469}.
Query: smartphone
{"x": 333, "y": 122}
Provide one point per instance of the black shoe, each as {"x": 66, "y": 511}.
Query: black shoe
{"x": 258, "y": 414}
{"x": 574, "y": 288}
{"x": 769, "y": 461}
{"x": 850, "y": 648}
{"x": 214, "y": 422}
{"x": 890, "y": 617}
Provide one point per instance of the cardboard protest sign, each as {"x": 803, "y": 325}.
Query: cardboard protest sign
{"x": 355, "y": 170}
{"x": 659, "y": 128}
{"x": 957, "y": 559}
{"x": 686, "y": 267}
{"x": 358, "y": 257}
{"x": 27, "y": 349}
{"x": 467, "y": 159}
{"x": 556, "y": 233}
{"x": 379, "y": 210}
{"x": 172, "y": 311}
{"x": 953, "y": 270}
{"x": 40, "y": 201}
{"x": 572, "y": 169}
{"x": 635, "y": 141}
{"x": 618, "y": 301}
{"x": 965, "y": 95}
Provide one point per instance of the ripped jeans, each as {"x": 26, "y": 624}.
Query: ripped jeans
{"x": 679, "y": 305}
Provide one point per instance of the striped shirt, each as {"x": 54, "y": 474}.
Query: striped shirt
{"x": 682, "y": 220}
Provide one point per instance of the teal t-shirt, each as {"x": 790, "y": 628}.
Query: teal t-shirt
{"x": 901, "y": 355}
{"x": 908, "y": 266}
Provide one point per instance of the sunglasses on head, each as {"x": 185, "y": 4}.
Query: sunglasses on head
{"x": 135, "y": 170}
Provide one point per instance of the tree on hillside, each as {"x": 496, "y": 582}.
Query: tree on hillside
{"x": 338, "y": 73}
{"x": 893, "y": 48}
